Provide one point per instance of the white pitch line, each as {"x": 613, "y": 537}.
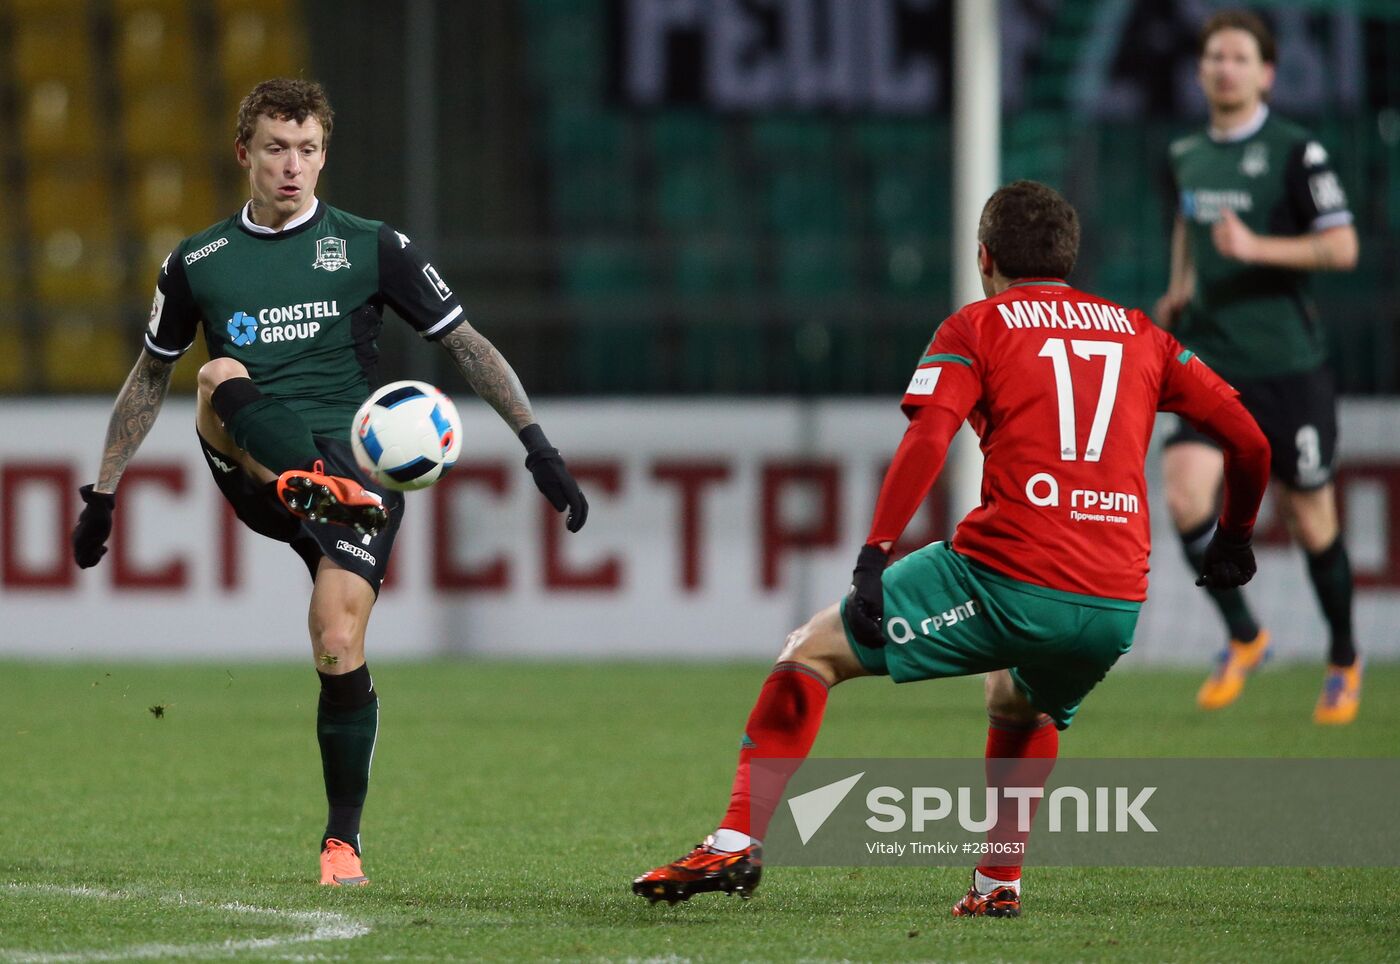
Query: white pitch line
{"x": 324, "y": 926}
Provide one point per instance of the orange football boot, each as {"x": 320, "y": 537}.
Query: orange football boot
{"x": 703, "y": 869}
{"x": 340, "y": 865}
{"x": 1001, "y": 902}
{"x": 1236, "y": 662}
{"x": 314, "y": 495}
{"x": 1341, "y": 695}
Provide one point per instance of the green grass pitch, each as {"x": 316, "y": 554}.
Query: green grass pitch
{"x": 512, "y": 804}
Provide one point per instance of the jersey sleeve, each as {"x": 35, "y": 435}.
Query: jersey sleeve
{"x": 949, "y": 375}
{"x": 413, "y": 287}
{"x": 1189, "y": 388}
{"x": 175, "y": 316}
{"x": 1314, "y": 191}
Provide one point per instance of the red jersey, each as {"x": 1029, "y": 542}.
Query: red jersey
{"x": 1062, "y": 388}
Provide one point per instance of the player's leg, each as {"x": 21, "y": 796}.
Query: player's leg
{"x": 1062, "y": 648}
{"x": 1193, "y": 470}
{"x": 266, "y": 436}
{"x": 780, "y": 731}
{"x": 347, "y": 717}
{"x": 1312, "y": 519}
{"x": 1022, "y": 745}
{"x": 272, "y": 442}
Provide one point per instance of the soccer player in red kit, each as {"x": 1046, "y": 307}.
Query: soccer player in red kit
{"x": 1041, "y": 585}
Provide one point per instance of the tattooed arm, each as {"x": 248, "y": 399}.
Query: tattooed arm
{"x": 494, "y": 380}
{"x": 134, "y": 413}
{"x": 489, "y": 375}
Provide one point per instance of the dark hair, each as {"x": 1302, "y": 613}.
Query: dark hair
{"x": 1246, "y": 20}
{"x": 285, "y": 98}
{"x": 1030, "y": 230}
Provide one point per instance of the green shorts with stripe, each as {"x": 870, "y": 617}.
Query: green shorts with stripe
{"x": 945, "y": 615}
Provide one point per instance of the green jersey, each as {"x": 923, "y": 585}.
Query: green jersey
{"x": 301, "y": 308}
{"x": 1252, "y": 320}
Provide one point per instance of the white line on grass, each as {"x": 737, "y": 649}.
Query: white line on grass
{"x": 318, "y": 925}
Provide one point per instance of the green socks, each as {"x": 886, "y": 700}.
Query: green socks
{"x": 1238, "y": 619}
{"x": 347, "y": 723}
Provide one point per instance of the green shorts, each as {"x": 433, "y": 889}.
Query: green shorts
{"x": 948, "y": 616}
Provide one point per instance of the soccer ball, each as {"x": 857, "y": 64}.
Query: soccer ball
{"x": 406, "y": 435}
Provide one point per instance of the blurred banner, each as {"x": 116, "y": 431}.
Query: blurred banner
{"x": 715, "y": 528}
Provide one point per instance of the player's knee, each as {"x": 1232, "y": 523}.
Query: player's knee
{"x": 812, "y": 646}
{"x": 1005, "y": 699}
{"x": 338, "y": 648}
{"x": 1188, "y": 505}
{"x": 215, "y": 372}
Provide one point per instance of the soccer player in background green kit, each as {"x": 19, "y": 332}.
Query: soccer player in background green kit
{"x": 290, "y": 294}
{"x": 1258, "y": 208}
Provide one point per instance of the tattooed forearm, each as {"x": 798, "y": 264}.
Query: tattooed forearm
{"x": 135, "y": 412}
{"x": 490, "y": 375}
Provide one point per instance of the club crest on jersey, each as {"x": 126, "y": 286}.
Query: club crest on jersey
{"x": 1255, "y": 161}
{"x": 330, "y": 254}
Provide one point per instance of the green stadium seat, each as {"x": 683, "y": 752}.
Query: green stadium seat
{"x": 806, "y": 201}
{"x": 609, "y": 285}
{"x": 909, "y": 141}
{"x": 814, "y": 268}
{"x": 793, "y": 140}
{"x": 694, "y": 196}
{"x": 681, "y": 136}
{"x": 715, "y": 267}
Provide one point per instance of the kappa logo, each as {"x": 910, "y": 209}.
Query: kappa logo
{"x": 403, "y": 239}
{"x": 331, "y": 254}
{"x": 354, "y": 550}
{"x": 205, "y": 251}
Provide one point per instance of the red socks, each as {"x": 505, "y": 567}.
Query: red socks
{"x": 782, "y": 726}
{"x": 1018, "y": 755}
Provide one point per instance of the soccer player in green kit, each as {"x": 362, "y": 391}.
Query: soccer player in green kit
{"x": 290, "y": 294}
{"x": 1258, "y": 208}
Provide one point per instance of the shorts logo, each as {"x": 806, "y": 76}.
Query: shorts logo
{"x": 205, "y": 251}
{"x": 436, "y": 281}
{"x": 330, "y": 254}
{"x": 900, "y": 632}
{"x": 242, "y": 329}
{"x": 354, "y": 550}
{"x": 219, "y": 463}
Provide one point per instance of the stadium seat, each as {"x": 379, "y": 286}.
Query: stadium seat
{"x": 58, "y": 122}
{"x": 685, "y": 136}
{"x": 164, "y": 121}
{"x": 257, "y": 41}
{"x": 806, "y": 201}
{"x": 153, "y": 45}
{"x": 696, "y": 196}
{"x": 814, "y": 268}
{"x": 175, "y": 195}
{"x": 73, "y": 242}
{"x": 51, "y": 46}
{"x": 82, "y": 351}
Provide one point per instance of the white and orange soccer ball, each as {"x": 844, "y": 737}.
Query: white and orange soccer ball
{"x": 406, "y": 435}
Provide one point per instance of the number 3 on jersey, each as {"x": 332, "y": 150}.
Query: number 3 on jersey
{"x": 1112, "y": 352}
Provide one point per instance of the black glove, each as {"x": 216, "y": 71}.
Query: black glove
{"x": 1228, "y": 562}
{"x": 93, "y": 528}
{"x": 552, "y": 478}
{"x": 865, "y": 603}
